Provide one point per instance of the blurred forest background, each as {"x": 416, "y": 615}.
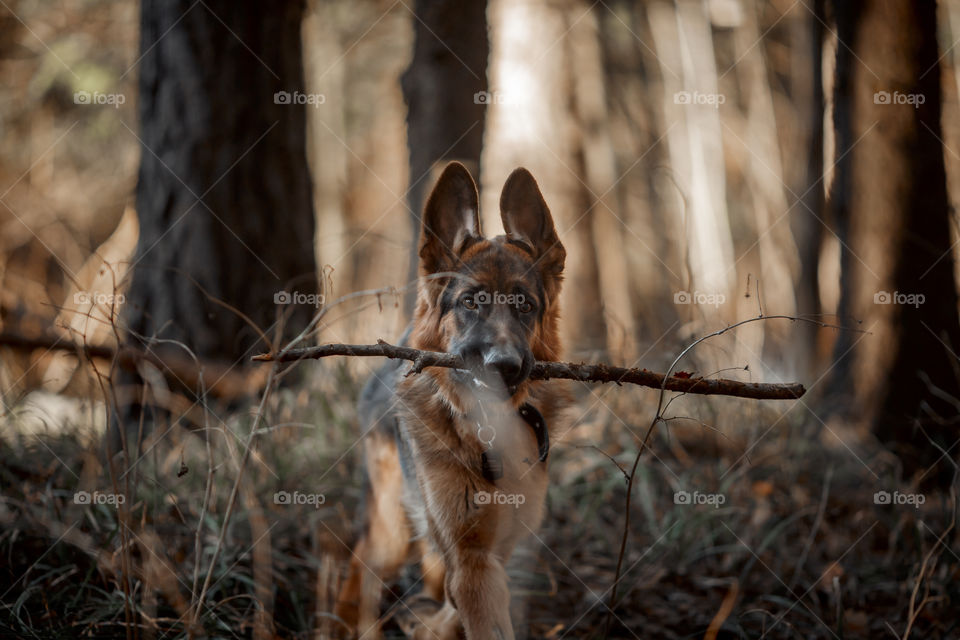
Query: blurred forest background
{"x": 170, "y": 171}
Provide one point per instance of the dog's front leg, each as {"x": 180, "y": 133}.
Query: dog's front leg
{"x": 477, "y": 587}
{"x": 470, "y": 534}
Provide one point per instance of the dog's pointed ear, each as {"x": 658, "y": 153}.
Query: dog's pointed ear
{"x": 451, "y": 220}
{"x": 527, "y": 219}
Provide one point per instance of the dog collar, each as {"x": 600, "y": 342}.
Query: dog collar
{"x": 535, "y": 419}
{"x": 490, "y": 463}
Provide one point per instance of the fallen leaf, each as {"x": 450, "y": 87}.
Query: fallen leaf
{"x": 762, "y": 488}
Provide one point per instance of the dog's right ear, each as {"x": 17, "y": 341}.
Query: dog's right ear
{"x": 527, "y": 219}
{"x": 451, "y": 220}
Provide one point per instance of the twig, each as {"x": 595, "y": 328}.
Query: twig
{"x": 659, "y": 417}
{"x": 724, "y": 612}
{"x": 553, "y": 370}
{"x": 608, "y": 456}
{"x": 709, "y": 375}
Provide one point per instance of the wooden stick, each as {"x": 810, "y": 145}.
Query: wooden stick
{"x": 552, "y": 370}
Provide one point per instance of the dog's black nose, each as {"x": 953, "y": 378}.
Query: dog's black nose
{"x": 509, "y": 364}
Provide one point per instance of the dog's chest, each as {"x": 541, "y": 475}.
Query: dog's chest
{"x": 491, "y": 473}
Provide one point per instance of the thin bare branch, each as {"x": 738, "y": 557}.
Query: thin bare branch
{"x": 553, "y": 370}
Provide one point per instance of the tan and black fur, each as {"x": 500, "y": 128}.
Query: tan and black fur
{"x": 494, "y": 303}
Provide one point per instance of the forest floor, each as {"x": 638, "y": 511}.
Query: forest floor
{"x": 751, "y": 520}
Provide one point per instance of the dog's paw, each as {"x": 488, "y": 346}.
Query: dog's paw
{"x": 422, "y": 618}
{"x": 414, "y": 611}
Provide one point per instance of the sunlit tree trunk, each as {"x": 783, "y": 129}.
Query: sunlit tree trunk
{"x": 532, "y": 123}
{"x": 611, "y": 231}
{"x": 759, "y": 142}
{"x": 645, "y": 190}
{"x": 684, "y": 46}
{"x": 326, "y": 73}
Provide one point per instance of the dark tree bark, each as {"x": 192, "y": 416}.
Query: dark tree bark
{"x": 891, "y": 201}
{"x": 839, "y": 207}
{"x": 223, "y": 196}
{"x": 445, "y": 91}
{"x": 807, "y": 230}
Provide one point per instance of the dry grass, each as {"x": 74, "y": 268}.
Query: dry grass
{"x": 798, "y": 548}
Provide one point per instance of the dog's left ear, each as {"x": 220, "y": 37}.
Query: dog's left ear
{"x": 451, "y": 220}
{"x": 527, "y": 219}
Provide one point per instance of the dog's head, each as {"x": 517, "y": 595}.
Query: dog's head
{"x": 491, "y": 301}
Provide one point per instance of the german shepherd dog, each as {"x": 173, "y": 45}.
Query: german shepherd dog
{"x": 457, "y": 459}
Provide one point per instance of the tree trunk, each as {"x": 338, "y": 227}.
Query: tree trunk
{"x": 223, "y": 195}
{"x": 445, "y": 88}
{"x": 891, "y": 200}
{"x": 534, "y": 123}
{"x": 807, "y": 230}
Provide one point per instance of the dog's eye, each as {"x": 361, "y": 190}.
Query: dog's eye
{"x": 468, "y": 302}
{"x": 526, "y": 307}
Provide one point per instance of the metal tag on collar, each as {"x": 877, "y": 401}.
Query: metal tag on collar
{"x": 491, "y": 464}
